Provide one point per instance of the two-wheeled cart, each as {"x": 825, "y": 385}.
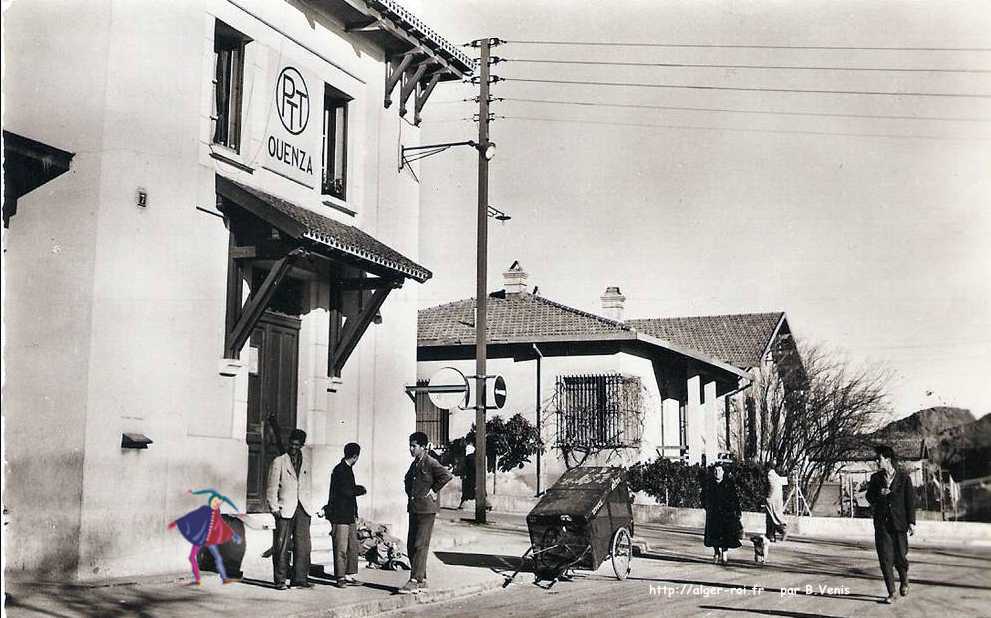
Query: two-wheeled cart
{"x": 584, "y": 519}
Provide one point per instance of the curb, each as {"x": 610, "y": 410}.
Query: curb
{"x": 374, "y": 607}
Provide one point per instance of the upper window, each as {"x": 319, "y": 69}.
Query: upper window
{"x": 335, "y": 143}
{"x": 228, "y": 85}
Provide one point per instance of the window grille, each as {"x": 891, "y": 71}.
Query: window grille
{"x": 599, "y": 411}
{"x": 431, "y": 420}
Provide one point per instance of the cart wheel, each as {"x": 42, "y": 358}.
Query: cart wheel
{"x": 622, "y": 553}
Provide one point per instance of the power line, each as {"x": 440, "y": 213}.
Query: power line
{"x": 747, "y": 111}
{"x": 738, "y": 46}
{"x": 740, "y": 130}
{"x": 748, "y": 89}
{"x": 739, "y": 66}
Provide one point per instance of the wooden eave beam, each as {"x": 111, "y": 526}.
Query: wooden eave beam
{"x": 369, "y": 283}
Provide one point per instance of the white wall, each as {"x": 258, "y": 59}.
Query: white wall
{"x": 115, "y": 314}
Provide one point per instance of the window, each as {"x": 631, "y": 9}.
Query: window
{"x": 335, "y": 143}
{"x": 228, "y": 85}
{"x": 431, "y": 420}
{"x": 599, "y": 411}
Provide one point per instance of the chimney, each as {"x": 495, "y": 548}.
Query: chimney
{"x": 514, "y": 280}
{"x": 612, "y": 303}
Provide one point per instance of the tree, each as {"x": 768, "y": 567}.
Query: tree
{"x": 813, "y": 407}
{"x": 508, "y": 444}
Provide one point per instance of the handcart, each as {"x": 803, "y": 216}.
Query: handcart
{"x": 585, "y": 518}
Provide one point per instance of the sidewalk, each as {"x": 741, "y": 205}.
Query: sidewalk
{"x": 255, "y": 596}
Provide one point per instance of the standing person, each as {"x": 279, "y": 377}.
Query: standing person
{"x": 424, "y": 479}
{"x": 774, "y": 504}
{"x": 468, "y": 478}
{"x": 892, "y": 498}
{"x": 288, "y": 495}
{"x": 722, "y": 514}
{"x": 342, "y": 513}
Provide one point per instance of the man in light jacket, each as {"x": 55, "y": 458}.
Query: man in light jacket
{"x": 423, "y": 482}
{"x": 288, "y": 495}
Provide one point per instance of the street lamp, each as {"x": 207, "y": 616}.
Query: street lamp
{"x": 428, "y": 150}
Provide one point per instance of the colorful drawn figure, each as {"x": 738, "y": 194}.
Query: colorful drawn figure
{"x": 205, "y": 527}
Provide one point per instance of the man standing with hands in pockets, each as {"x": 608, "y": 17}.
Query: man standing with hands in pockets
{"x": 892, "y": 499}
{"x": 424, "y": 479}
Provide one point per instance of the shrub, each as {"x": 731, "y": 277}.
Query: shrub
{"x": 675, "y": 483}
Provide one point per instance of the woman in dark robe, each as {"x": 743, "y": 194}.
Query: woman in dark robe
{"x": 722, "y": 514}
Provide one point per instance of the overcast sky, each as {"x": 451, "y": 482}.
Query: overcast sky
{"x": 871, "y": 233}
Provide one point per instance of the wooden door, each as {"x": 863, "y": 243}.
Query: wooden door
{"x": 272, "y": 382}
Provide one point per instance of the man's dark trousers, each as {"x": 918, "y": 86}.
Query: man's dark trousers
{"x": 892, "y": 551}
{"x": 292, "y": 533}
{"x": 421, "y": 527}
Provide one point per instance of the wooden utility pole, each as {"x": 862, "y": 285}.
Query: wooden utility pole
{"x": 481, "y": 293}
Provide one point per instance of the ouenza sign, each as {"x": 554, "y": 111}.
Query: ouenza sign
{"x": 293, "y": 133}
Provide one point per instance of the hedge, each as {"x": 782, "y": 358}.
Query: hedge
{"x": 675, "y": 483}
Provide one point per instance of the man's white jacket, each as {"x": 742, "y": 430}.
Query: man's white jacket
{"x": 286, "y": 490}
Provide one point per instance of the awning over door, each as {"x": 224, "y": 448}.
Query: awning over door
{"x": 278, "y": 235}
{"x": 323, "y": 234}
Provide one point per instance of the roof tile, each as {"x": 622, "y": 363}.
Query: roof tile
{"x": 739, "y": 339}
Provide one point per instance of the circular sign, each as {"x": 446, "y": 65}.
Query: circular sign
{"x": 448, "y": 388}
{"x": 292, "y": 100}
{"x": 499, "y": 392}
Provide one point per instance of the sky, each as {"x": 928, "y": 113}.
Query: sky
{"x": 870, "y": 232}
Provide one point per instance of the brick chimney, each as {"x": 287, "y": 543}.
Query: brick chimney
{"x": 612, "y": 303}
{"x": 514, "y": 280}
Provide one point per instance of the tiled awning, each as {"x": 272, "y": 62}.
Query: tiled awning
{"x": 325, "y": 235}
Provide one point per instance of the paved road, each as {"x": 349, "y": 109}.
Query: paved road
{"x": 804, "y": 578}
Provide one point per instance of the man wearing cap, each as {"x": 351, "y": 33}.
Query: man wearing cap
{"x": 423, "y": 481}
{"x": 289, "y": 500}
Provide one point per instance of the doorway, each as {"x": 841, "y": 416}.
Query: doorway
{"x": 272, "y": 382}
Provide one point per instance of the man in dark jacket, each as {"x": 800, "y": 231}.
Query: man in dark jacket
{"x": 892, "y": 499}
{"x": 342, "y": 512}
{"x": 423, "y": 481}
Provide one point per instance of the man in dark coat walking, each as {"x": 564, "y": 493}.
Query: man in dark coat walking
{"x": 342, "y": 512}
{"x": 892, "y": 498}
{"x": 423, "y": 482}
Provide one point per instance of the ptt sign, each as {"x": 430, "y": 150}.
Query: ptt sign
{"x": 291, "y": 140}
{"x": 292, "y": 100}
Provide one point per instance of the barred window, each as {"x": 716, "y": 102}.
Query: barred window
{"x": 599, "y": 411}
{"x": 431, "y": 420}
{"x": 228, "y": 84}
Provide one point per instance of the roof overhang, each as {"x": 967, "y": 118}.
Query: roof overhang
{"x": 672, "y": 358}
{"x": 398, "y": 31}
{"x": 317, "y": 233}
{"x": 28, "y": 164}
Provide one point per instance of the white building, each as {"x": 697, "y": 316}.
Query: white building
{"x": 229, "y": 227}
{"x": 577, "y": 369}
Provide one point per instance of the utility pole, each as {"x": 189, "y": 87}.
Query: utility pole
{"x": 481, "y": 293}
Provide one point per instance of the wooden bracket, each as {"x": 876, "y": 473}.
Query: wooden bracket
{"x": 393, "y": 73}
{"x": 239, "y": 328}
{"x": 413, "y": 78}
{"x": 343, "y": 340}
{"x": 424, "y": 92}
